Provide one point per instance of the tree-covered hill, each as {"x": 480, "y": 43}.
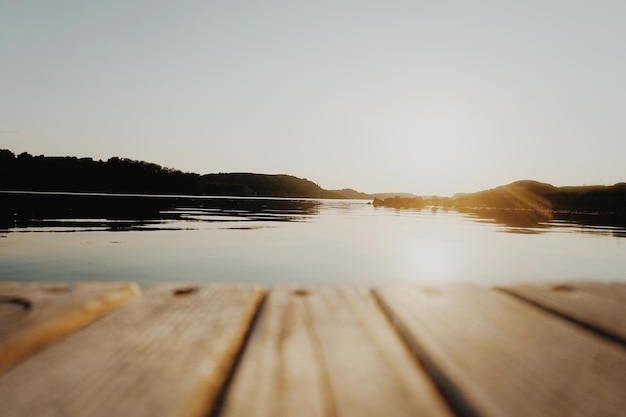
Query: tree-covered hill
{"x": 527, "y": 195}
{"x": 540, "y": 196}
{"x": 263, "y": 185}
{"x": 25, "y": 172}
{"x": 118, "y": 175}
{"x": 353, "y": 194}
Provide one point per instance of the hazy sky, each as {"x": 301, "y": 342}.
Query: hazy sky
{"x": 430, "y": 97}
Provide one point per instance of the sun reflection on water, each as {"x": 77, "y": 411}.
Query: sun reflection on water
{"x": 433, "y": 259}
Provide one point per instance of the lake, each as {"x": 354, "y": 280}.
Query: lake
{"x": 271, "y": 241}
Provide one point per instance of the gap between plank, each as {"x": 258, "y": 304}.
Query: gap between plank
{"x": 452, "y": 396}
{"x": 221, "y": 397}
{"x": 580, "y": 323}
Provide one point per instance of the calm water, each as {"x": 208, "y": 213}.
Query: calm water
{"x": 275, "y": 241}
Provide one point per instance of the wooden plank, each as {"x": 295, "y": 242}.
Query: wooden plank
{"x": 32, "y": 315}
{"x": 610, "y": 290}
{"x": 328, "y": 352}
{"x": 599, "y": 307}
{"x": 167, "y": 353}
{"x": 493, "y": 355}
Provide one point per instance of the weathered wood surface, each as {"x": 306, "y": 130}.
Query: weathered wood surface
{"x": 328, "y": 352}
{"x": 325, "y": 351}
{"x": 601, "y": 307}
{"x": 494, "y": 355}
{"x": 33, "y": 315}
{"x": 167, "y": 353}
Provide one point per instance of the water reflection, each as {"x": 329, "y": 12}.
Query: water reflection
{"x": 299, "y": 241}
{"x": 534, "y": 222}
{"x": 60, "y": 212}
{"x": 71, "y": 212}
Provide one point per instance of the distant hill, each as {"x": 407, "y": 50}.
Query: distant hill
{"x": 351, "y": 194}
{"x": 26, "y": 172}
{"x": 533, "y": 195}
{"x": 527, "y": 195}
{"x": 391, "y": 195}
{"x": 357, "y": 195}
{"x": 519, "y": 194}
{"x": 263, "y": 185}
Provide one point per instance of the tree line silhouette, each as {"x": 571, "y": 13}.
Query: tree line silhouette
{"x": 527, "y": 195}
{"x": 25, "y": 172}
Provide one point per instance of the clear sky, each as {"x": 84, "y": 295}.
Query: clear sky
{"x": 429, "y": 97}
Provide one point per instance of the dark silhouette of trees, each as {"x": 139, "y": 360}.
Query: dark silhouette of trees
{"x": 118, "y": 175}
{"x": 533, "y": 195}
{"x": 400, "y": 202}
{"x": 526, "y": 196}
{"x": 122, "y": 175}
{"x": 261, "y": 185}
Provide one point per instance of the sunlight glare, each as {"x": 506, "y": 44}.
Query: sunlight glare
{"x": 432, "y": 259}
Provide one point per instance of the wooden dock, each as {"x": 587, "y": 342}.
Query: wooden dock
{"x": 106, "y": 349}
